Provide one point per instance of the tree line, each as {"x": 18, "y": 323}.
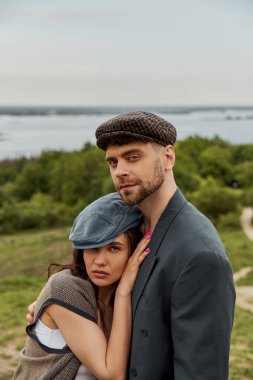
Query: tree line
{"x": 50, "y": 190}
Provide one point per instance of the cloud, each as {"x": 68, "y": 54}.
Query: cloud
{"x": 68, "y": 16}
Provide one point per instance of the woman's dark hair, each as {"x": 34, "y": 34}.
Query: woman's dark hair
{"x": 78, "y": 269}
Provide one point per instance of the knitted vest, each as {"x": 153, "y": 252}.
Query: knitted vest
{"x": 43, "y": 363}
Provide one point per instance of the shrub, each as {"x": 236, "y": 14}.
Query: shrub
{"x": 230, "y": 221}
{"x": 214, "y": 200}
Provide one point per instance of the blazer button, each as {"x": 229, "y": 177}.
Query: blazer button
{"x": 144, "y": 332}
{"x": 133, "y": 372}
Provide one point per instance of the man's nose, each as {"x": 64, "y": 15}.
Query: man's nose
{"x": 121, "y": 170}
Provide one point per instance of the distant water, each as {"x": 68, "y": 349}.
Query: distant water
{"x": 30, "y": 130}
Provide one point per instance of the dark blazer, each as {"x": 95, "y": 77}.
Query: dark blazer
{"x": 183, "y": 300}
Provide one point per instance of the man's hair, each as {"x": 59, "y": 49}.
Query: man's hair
{"x": 134, "y": 126}
{"x": 124, "y": 140}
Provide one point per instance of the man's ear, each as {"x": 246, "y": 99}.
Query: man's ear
{"x": 169, "y": 155}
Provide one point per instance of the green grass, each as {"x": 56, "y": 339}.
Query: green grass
{"x": 239, "y": 247}
{"x": 24, "y": 258}
{"x": 241, "y": 355}
{"x": 246, "y": 281}
{"x": 30, "y": 253}
{"x": 16, "y": 293}
{"x": 7, "y": 376}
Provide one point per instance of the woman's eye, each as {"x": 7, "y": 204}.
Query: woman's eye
{"x": 114, "y": 249}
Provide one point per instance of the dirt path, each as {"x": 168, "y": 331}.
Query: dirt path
{"x": 8, "y": 361}
{"x": 242, "y": 273}
{"x": 246, "y": 222}
{"x": 244, "y": 294}
{"x": 9, "y": 353}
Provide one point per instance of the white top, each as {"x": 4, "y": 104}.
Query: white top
{"x": 53, "y": 338}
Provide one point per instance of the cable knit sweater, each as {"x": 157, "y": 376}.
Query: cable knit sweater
{"x": 38, "y": 362}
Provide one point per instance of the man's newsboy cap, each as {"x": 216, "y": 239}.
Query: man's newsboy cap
{"x": 102, "y": 221}
{"x": 138, "y": 125}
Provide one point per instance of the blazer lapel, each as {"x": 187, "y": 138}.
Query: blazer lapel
{"x": 167, "y": 217}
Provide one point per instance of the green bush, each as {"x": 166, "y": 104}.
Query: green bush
{"x": 78, "y": 175}
{"x": 40, "y": 211}
{"x": 241, "y": 153}
{"x": 215, "y": 162}
{"x": 9, "y": 169}
{"x": 10, "y": 218}
{"x": 243, "y": 174}
{"x": 229, "y": 221}
{"x": 247, "y": 198}
{"x": 52, "y": 189}
{"x": 214, "y": 200}
{"x": 32, "y": 179}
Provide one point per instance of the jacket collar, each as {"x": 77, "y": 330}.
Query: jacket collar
{"x": 174, "y": 206}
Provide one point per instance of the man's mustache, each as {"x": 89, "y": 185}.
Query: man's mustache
{"x": 127, "y": 181}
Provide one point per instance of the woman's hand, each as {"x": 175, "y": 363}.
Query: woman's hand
{"x": 129, "y": 275}
{"x": 30, "y": 314}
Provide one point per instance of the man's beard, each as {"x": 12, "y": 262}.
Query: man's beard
{"x": 145, "y": 188}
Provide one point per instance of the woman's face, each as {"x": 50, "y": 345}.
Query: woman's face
{"x": 105, "y": 265}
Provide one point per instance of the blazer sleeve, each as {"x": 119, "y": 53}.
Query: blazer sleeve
{"x": 202, "y": 313}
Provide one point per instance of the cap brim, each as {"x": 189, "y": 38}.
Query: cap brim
{"x": 104, "y": 140}
{"x": 89, "y": 245}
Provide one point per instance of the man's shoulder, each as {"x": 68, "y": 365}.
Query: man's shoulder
{"x": 193, "y": 218}
{"x": 191, "y": 231}
{"x": 180, "y": 210}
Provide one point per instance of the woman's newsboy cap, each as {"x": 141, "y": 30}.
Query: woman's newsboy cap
{"x": 102, "y": 221}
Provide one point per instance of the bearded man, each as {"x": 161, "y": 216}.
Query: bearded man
{"x": 184, "y": 297}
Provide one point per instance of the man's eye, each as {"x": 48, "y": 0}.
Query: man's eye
{"x": 112, "y": 164}
{"x": 133, "y": 157}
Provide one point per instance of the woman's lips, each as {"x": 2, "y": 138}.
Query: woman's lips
{"x": 99, "y": 274}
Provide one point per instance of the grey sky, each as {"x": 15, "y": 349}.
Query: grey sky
{"x": 95, "y": 52}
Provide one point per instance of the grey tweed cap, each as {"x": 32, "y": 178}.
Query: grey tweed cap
{"x": 102, "y": 221}
{"x": 139, "y": 125}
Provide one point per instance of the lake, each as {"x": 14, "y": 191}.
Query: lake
{"x": 30, "y": 130}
